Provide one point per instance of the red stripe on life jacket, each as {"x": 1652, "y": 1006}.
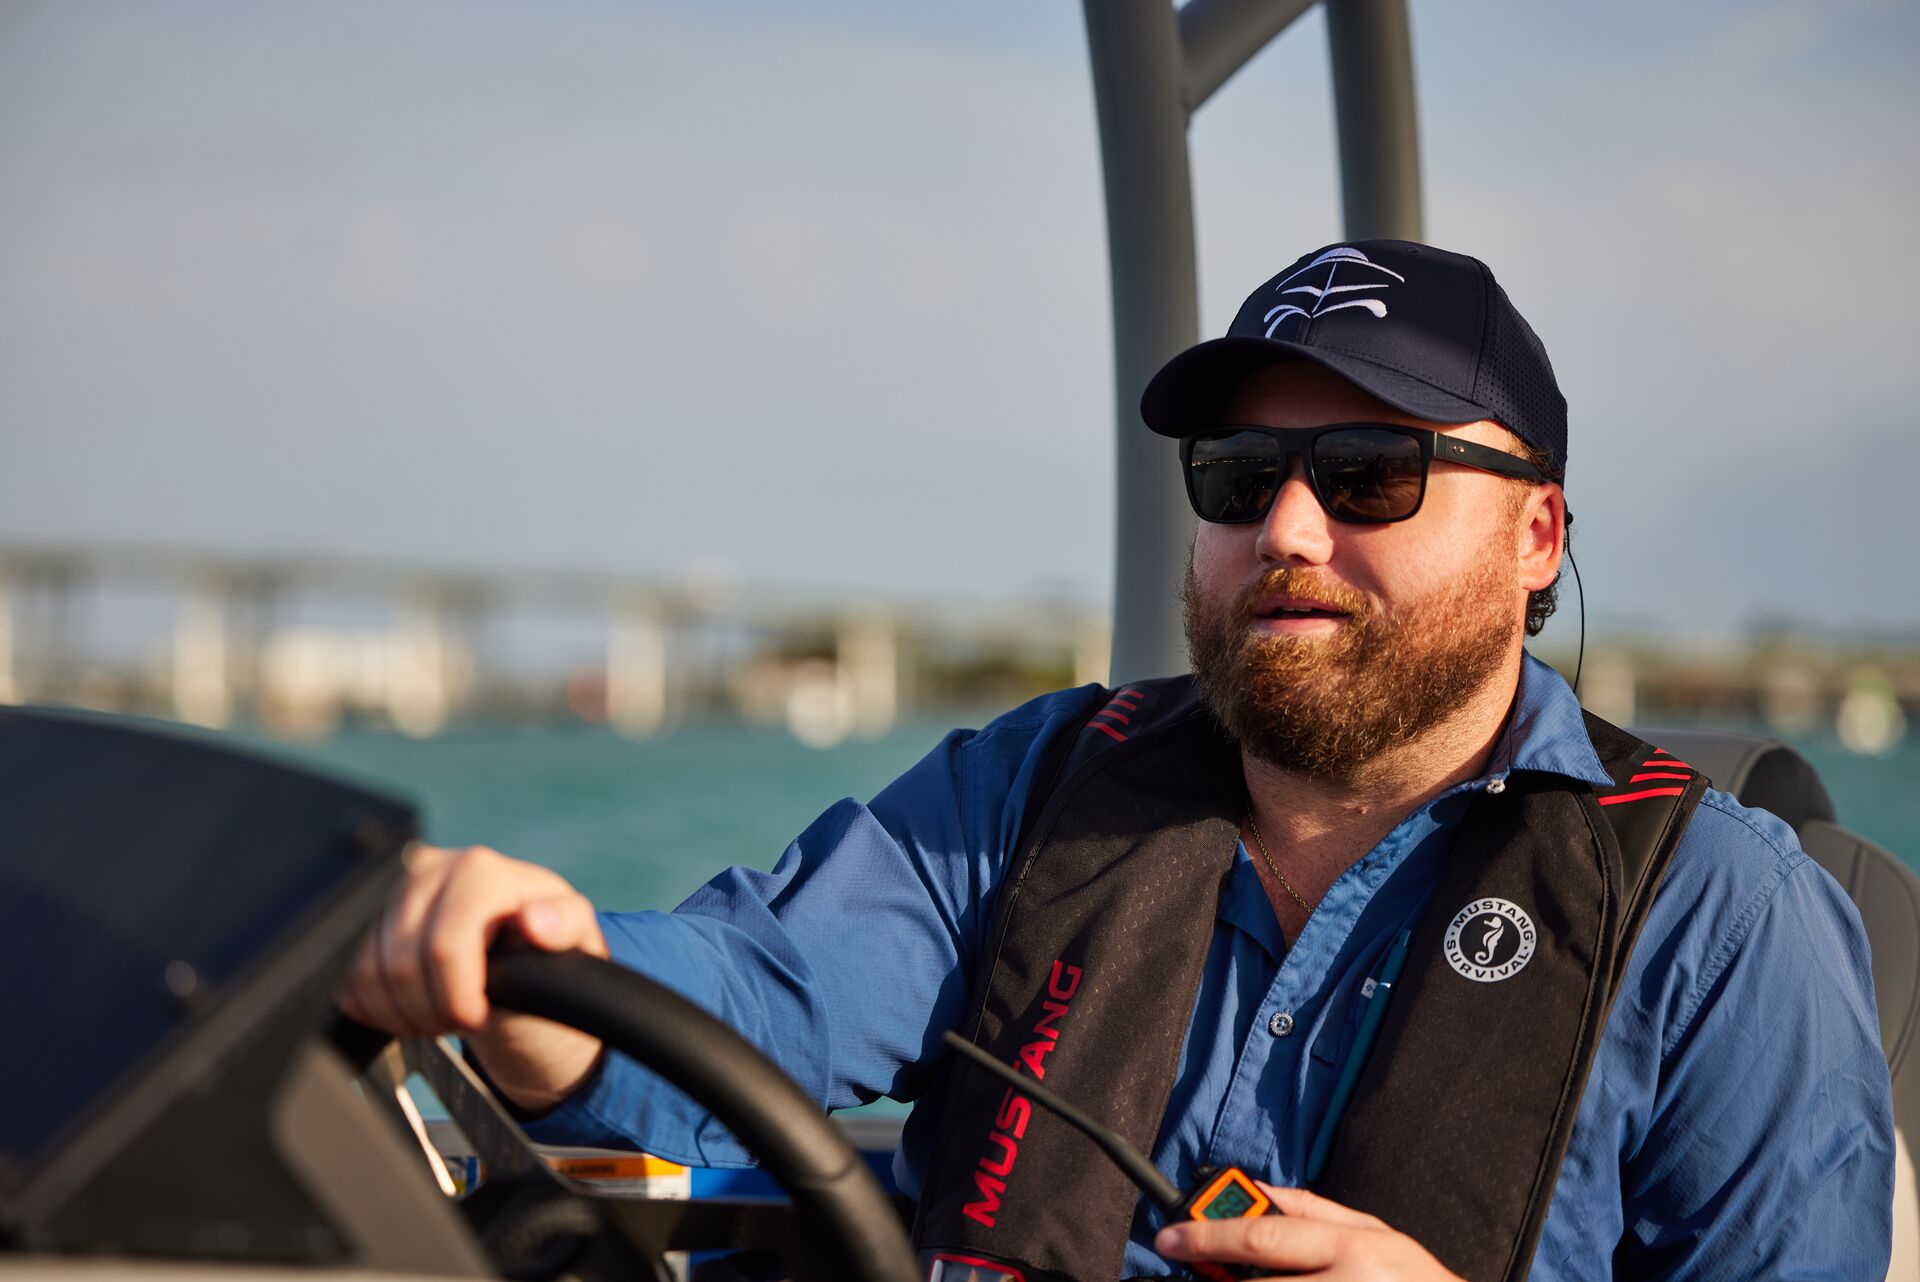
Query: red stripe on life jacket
{"x": 1642, "y": 796}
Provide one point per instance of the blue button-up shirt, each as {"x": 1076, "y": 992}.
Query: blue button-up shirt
{"x": 1737, "y": 1123}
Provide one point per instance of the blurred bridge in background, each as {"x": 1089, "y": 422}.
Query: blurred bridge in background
{"x": 296, "y": 645}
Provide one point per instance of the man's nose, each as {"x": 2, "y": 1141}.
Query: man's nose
{"x": 1297, "y": 530}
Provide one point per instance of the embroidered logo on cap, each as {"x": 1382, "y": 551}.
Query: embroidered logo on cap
{"x": 1326, "y": 295}
{"x": 1490, "y": 940}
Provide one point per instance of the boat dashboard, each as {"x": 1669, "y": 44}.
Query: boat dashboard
{"x": 180, "y": 1093}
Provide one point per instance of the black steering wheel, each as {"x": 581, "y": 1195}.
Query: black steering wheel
{"x": 833, "y": 1192}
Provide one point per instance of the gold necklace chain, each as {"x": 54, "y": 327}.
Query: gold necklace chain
{"x": 1261, "y": 843}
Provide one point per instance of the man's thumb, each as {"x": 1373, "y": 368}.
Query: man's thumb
{"x": 557, "y": 924}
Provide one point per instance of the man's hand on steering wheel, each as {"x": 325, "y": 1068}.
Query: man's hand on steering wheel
{"x": 422, "y": 970}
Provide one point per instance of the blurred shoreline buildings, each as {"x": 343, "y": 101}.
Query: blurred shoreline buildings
{"x": 299, "y": 646}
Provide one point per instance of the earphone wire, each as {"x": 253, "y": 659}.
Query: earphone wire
{"x": 1581, "y": 659}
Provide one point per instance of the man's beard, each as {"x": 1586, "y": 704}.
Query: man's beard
{"x": 1326, "y": 706}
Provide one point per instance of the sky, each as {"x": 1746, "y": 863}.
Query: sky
{"x": 819, "y": 292}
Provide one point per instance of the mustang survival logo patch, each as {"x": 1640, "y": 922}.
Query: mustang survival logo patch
{"x": 1490, "y": 940}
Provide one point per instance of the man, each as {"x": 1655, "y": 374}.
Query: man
{"x": 1178, "y": 901}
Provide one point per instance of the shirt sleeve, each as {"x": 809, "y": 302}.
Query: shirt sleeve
{"x": 1769, "y": 1152}
{"x": 846, "y": 962}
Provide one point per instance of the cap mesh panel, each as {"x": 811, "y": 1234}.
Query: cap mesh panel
{"x": 1516, "y": 381}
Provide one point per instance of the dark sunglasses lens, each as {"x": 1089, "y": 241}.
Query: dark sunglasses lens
{"x": 1367, "y": 474}
{"x": 1233, "y": 476}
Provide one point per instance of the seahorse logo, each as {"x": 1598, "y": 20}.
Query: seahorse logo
{"x": 1323, "y": 294}
{"x": 1499, "y": 934}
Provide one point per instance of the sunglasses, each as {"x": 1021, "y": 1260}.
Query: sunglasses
{"x": 1362, "y": 473}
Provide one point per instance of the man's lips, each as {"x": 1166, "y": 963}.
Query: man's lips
{"x": 1294, "y": 607}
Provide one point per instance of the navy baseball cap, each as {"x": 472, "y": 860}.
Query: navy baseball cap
{"x": 1429, "y": 332}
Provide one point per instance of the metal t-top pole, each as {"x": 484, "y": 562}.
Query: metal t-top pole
{"x": 1153, "y": 65}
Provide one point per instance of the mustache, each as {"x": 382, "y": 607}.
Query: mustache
{"x": 1291, "y": 581}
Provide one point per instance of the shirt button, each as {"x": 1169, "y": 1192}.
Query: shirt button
{"x": 1281, "y": 1024}
{"x": 1496, "y": 786}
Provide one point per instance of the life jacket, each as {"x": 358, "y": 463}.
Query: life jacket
{"x": 1094, "y": 955}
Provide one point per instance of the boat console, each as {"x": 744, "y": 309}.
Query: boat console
{"x": 174, "y": 918}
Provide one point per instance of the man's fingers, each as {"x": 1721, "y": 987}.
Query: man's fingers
{"x": 1270, "y": 1241}
{"x": 1312, "y": 1235}
{"x": 1304, "y": 1205}
{"x": 364, "y": 995}
{"x": 560, "y": 922}
{"x": 405, "y": 967}
{"x": 484, "y": 890}
{"x": 423, "y": 969}
{"x": 371, "y": 992}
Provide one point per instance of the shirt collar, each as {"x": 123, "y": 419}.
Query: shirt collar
{"x": 1547, "y": 731}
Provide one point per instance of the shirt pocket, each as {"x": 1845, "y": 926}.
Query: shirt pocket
{"x": 1330, "y": 1047}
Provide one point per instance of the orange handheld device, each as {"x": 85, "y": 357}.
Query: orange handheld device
{"x": 1219, "y": 1193}
{"x": 1225, "y": 1194}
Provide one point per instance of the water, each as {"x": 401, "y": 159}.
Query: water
{"x": 631, "y": 825}
{"x": 640, "y": 825}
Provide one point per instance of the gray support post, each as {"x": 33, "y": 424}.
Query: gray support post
{"x": 1152, "y": 67}
{"x": 1372, "y": 57}
{"x": 1138, "y": 88}
{"x": 1221, "y": 36}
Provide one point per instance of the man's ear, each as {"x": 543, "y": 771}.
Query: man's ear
{"x": 1541, "y": 536}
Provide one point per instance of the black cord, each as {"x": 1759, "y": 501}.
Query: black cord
{"x": 1132, "y": 1163}
{"x": 1581, "y": 588}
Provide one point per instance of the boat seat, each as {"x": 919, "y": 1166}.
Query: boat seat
{"x": 1766, "y": 773}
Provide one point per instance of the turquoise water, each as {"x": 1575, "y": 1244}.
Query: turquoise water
{"x": 639, "y": 825}
{"x": 632, "y": 825}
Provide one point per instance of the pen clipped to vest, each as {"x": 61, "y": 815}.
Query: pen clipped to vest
{"x": 1217, "y": 1194}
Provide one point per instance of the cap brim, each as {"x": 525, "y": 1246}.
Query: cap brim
{"x": 1191, "y": 390}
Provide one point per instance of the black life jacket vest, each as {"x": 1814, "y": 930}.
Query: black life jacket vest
{"x": 1094, "y": 958}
